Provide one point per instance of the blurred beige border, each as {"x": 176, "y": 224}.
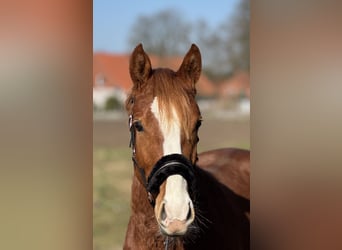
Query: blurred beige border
{"x": 296, "y": 121}
{"x": 46, "y": 124}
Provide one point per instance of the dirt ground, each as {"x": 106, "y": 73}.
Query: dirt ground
{"x": 214, "y": 133}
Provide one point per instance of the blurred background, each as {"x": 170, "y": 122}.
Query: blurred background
{"x": 46, "y": 119}
{"x": 167, "y": 29}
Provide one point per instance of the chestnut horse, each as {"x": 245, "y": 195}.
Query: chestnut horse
{"x": 176, "y": 203}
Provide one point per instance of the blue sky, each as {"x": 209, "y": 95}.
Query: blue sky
{"x": 112, "y": 20}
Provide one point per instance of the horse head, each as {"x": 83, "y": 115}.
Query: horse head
{"x": 164, "y": 121}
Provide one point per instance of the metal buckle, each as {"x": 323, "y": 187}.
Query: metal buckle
{"x": 130, "y": 121}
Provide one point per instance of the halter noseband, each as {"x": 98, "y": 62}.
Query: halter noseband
{"x": 166, "y": 166}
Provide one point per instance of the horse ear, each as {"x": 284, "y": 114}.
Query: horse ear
{"x": 139, "y": 66}
{"x": 192, "y": 64}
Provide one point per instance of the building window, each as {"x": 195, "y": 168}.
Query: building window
{"x": 100, "y": 79}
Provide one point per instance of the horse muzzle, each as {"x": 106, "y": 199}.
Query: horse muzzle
{"x": 175, "y": 211}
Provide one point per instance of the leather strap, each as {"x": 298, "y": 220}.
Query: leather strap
{"x": 170, "y": 165}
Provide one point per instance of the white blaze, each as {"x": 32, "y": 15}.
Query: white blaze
{"x": 176, "y": 195}
{"x": 170, "y": 130}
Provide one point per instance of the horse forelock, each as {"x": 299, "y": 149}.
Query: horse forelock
{"x": 173, "y": 97}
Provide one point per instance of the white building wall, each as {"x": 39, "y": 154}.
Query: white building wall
{"x": 101, "y": 94}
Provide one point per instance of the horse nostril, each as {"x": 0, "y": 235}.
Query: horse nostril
{"x": 188, "y": 217}
{"x": 163, "y": 213}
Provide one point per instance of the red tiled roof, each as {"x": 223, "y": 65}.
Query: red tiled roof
{"x": 114, "y": 68}
{"x": 236, "y": 85}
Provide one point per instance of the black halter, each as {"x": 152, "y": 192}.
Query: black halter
{"x": 166, "y": 166}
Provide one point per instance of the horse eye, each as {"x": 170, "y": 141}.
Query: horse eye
{"x": 198, "y": 124}
{"x": 138, "y": 126}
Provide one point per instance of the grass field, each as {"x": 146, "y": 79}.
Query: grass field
{"x": 113, "y": 172}
{"x": 112, "y": 177}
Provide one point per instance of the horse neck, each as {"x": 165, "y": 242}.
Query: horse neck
{"x": 224, "y": 223}
{"x": 139, "y": 199}
{"x": 207, "y": 185}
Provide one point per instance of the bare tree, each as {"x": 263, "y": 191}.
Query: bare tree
{"x": 211, "y": 42}
{"x": 164, "y": 33}
{"x": 225, "y": 47}
{"x": 237, "y": 34}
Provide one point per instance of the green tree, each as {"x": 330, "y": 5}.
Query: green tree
{"x": 112, "y": 103}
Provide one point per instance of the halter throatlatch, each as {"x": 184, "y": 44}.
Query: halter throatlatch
{"x": 166, "y": 166}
